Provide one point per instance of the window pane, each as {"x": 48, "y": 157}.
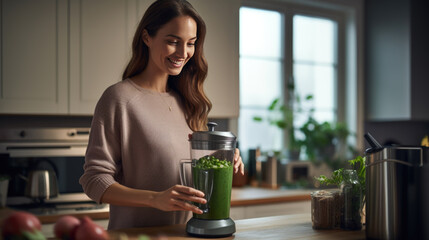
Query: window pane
{"x": 258, "y": 134}
{"x": 314, "y": 39}
{"x": 260, "y": 33}
{"x": 319, "y": 82}
{"x": 260, "y": 81}
{"x": 261, "y": 76}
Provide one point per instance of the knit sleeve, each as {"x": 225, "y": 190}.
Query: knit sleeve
{"x": 102, "y": 159}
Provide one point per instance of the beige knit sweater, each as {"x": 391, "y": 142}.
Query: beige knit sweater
{"x": 136, "y": 141}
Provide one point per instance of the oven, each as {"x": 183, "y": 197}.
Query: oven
{"x": 56, "y": 150}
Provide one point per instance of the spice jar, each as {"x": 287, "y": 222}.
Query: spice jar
{"x": 323, "y": 209}
{"x": 351, "y": 197}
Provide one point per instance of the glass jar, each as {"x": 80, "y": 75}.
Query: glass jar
{"x": 351, "y": 199}
{"x": 323, "y": 209}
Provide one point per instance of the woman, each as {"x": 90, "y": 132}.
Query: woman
{"x": 141, "y": 124}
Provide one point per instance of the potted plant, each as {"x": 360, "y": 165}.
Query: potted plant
{"x": 282, "y": 116}
{"x": 324, "y": 140}
{"x": 351, "y": 183}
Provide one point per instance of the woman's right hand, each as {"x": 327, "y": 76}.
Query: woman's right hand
{"x": 176, "y": 199}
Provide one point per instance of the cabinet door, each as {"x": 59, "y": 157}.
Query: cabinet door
{"x": 100, "y": 45}
{"x": 33, "y": 53}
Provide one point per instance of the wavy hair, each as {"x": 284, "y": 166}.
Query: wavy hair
{"x": 189, "y": 83}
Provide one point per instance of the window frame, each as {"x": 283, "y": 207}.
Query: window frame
{"x": 349, "y": 64}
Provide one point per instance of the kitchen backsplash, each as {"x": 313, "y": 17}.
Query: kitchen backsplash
{"x": 35, "y": 121}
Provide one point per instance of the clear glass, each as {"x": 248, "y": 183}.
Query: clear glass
{"x": 260, "y": 81}
{"x": 261, "y": 76}
{"x": 351, "y": 193}
{"x": 256, "y": 38}
{"x": 323, "y": 206}
{"x": 314, "y": 66}
{"x": 210, "y": 171}
{"x": 314, "y": 39}
{"x": 258, "y": 134}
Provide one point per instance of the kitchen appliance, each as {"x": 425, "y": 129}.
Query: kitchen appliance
{"x": 34, "y": 158}
{"x": 41, "y": 185}
{"x": 210, "y": 170}
{"x": 397, "y": 191}
{"x": 4, "y": 185}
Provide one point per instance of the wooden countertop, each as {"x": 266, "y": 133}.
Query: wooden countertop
{"x": 278, "y": 227}
{"x": 52, "y": 218}
{"x": 239, "y": 197}
{"x": 254, "y": 196}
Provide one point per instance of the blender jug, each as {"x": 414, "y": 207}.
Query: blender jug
{"x": 396, "y": 191}
{"x": 210, "y": 170}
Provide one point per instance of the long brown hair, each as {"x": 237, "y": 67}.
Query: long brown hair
{"x": 189, "y": 83}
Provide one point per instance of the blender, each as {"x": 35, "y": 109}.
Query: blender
{"x": 397, "y": 191}
{"x": 210, "y": 170}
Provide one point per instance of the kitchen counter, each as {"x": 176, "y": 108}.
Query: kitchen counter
{"x": 296, "y": 226}
{"x": 244, "y": 196}
{"x": 98, "y": 214}
{"x": 254, "y": 196}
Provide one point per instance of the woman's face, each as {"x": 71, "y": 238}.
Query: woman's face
{"x": 173, "y": 45}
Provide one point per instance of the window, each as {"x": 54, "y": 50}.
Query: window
{"x": 315, "y": 66}
{"x": 261, "y": 74}
{"x": 280, "y": 45}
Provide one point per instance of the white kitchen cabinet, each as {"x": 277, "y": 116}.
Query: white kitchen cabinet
{"x": 101, "y": 33}
{"x": 274, "y": 209}
{"x": 57, "y": 57}
{"x": 34, "y": 39}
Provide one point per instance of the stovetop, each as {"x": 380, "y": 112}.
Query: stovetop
{"x": 61, "y": 208}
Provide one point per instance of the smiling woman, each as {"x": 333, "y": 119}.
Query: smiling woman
{"x": 141, "y": 125}
{"x": 170, "y": 55}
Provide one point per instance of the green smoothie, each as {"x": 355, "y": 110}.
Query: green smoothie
{"x": 205, "y": 169}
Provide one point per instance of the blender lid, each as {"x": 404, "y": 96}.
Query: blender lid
{"x": 212, "y": 139}
{"x": 375, "y": 146}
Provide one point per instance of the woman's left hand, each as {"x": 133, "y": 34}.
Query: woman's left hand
{"x": 238, "y": 162}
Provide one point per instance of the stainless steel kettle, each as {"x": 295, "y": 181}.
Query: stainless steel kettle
{"x": 397, "y": 191}
{"x": 41, "y": 185}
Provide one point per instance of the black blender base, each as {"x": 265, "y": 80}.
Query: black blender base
{"x": 210, "y": 228}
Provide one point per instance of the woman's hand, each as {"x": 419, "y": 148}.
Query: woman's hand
{"x": 238, "y": 162}
{"x": 176, "y": 197}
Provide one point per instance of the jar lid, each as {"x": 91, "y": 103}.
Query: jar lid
{"x": 212, "y": 140}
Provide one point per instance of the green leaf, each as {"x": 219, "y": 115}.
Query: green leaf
{"x": 257, "y": 119}
{"x": 36, "y": 235}
{"x": 281, "y": 124}
{"x": 335, "y": 179}
{"x": 309, "y": 97}
{"x": 273, "y": 104}
{"x": 359, "y": 165}
{"x": 143, "y": 237}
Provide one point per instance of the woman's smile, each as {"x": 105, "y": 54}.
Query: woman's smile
{"x": 172, "y": 46}
{"x": 176, "y": 63}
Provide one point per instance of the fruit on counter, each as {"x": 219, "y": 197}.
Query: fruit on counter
{"x": 90, "y": 230}
{"x": 22, "y": 225}
{"x": 65, "y": 227}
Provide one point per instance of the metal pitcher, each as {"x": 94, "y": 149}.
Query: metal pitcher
{"x": 396, "y": 191}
